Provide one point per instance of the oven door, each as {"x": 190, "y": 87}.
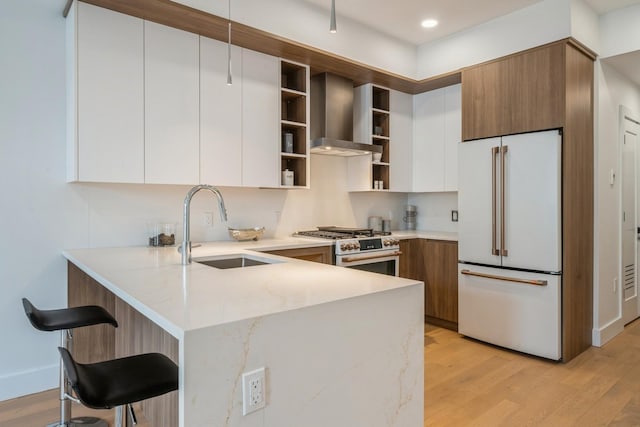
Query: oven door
{"x": 385, "y": 263}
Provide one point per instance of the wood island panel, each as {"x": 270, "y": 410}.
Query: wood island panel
{"x": 441, "y": 283}
{"x": 136, "y": 334}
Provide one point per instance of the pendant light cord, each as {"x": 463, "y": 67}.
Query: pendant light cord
{"x": 229, "y": 77}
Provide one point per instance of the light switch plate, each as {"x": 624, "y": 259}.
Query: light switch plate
{"x": 454, "y": 216}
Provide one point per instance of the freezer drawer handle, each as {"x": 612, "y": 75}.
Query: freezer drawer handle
{"x": 506, "y": 279}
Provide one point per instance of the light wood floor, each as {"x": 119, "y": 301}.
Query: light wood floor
{"x": 468, "y": 383}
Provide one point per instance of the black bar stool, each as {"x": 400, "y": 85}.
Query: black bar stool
{"x": 120, "y": 382}
{"x": 65, "y": 320}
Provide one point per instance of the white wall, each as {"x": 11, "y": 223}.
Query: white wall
{"x": 434, "y": 210}
{"x": 540, "y": 23}
{"x": 42, "y": 214}
{"x": 585, "y": 24}
{"x": 620, "y": 31}
{"x": 309, "y": 24}
{"x": 612, "y": 91}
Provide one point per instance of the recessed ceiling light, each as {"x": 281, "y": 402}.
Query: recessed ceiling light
{"x": 429, "y": 23}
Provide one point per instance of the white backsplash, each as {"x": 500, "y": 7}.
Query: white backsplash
{"x": 434, "y": 210}
{"x": 117, "y": 214}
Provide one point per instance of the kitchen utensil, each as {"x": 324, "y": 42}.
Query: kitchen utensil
{"x": 242, "y": 234}
{"x": 410, "y": 217}
{"x": 287, "y": 178}
{"x": 377, "y": 157}
{"x": 386, "y": 225}
{"x": 287, "y": 142}
{"x": 375, "y": 223}
{"x": 161, "y": 233}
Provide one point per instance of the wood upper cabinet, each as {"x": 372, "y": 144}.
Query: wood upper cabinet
{"x": 105, "y": 95}
{"x": 172, "y": 107}
{"x": 320, "y": 254}
{"x": 519, "y": 93}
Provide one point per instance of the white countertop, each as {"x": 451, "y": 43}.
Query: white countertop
{"x": 182, "y": 298}
{"x": 426, "y": 234}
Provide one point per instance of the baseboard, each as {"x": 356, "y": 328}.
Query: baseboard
{"x": 601, "y": 336}
{"x": 29, "y": 382}
{"x": 441, "y": 323}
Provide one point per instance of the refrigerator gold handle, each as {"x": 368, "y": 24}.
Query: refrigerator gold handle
{"x": 494, "y": 220}
{"x": 506, "y": 279}
{"x": 503, "y": 183}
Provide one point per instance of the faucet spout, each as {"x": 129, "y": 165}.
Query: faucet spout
{"x": 185, "y": 248}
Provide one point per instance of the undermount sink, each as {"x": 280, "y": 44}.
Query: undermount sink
{"x": 234, "y": 261}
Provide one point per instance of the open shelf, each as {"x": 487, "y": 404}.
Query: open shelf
{"x": 380, "y": 98}
{"x": 294, "y": 120}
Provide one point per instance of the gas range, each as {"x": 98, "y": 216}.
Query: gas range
{"x": 355, "y": 240}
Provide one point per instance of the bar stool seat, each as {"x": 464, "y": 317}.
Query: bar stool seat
{"x": 67, "y": 318}
{"x": 120, "y": 382}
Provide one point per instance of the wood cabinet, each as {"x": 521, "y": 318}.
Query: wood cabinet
{"x": 437, "y": 133}
{"x": 321, "y": 254}
{"x": 171, "y": 105}
{"x": 519, "y": 93}
{"x": 548, "y": 87}
{"x": 220, "y": 115}
{"x": 435, "y": 262}
{"x": 260, "y": 121}
{"x": 294, "y": 122}
{"x": 105, "y": 96}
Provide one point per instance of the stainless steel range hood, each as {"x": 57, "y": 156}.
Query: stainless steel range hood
{"x": 332, "y": 118}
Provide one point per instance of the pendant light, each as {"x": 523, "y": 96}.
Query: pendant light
{"x": 332, "y": 27}
{"x": 229, "y": 78}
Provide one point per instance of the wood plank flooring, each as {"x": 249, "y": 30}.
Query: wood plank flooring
{"x": 468, "y": 383}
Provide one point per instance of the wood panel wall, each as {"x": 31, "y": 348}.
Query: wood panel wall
{"x": 135, "y": 334}
{"x": 577, "y": 205}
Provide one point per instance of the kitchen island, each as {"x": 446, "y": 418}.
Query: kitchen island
{"x": 340, "y": 347}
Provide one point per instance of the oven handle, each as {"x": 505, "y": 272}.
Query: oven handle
{"x": 364, "y": 258}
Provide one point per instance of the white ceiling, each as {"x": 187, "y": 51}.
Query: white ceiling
{"x": 402, "y": 18}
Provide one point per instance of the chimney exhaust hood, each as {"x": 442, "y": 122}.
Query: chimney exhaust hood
{"x": 332, "y": 118}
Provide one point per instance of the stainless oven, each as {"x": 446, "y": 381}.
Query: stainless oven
{"x": 376, "y": 254}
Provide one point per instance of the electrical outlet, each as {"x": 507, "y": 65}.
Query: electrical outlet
{"x": 253, "y": 391}
{"x": 207, "y": 219}
{"x": 454, "y": 216}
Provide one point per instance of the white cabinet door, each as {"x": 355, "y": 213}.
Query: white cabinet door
{"x": 428, "y": 147}
{"x": 532, "y": 201}
{"x": 477, "y": 235}
{"x": 171, "y": 105}
{"x": 452, "y": 135}
{"x": 220, "y": 115}
{"x": 106, "y": 117}
{"x": 401, "y": 141}
{"x": 260, "y": 121}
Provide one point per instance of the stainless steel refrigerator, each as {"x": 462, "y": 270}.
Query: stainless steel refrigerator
{"x": 510, "y": 245}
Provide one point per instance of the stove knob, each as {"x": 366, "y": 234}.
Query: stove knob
{"x": 343, "y": 247}
{"x": 387, "y": 242}
{"x": 356, "y": 246}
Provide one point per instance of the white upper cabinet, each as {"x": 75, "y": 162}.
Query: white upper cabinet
{"x": 105, "y": 95}
{"x": 220, "y": 115}
{"x": 400, "y": 147}
{"x": 452, "y": 135}
{"x": 260, "y": 120}
{"x": 437, "y": 133}
{"x": 171, "y": 105}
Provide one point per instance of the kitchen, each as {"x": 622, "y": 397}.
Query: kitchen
{"x": 84, "y": 215}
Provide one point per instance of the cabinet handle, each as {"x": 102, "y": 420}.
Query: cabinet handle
{"x": 506, "y": 279}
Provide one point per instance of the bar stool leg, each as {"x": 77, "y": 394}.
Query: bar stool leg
{"x": 66, "y": 341}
